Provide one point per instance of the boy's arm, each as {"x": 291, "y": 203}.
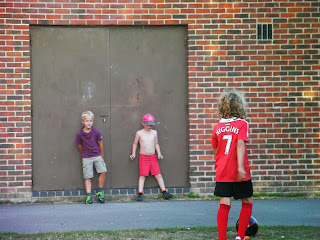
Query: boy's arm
{"x": 240, "y": 155}
{"x": 101, "y": 148}
{"x": 158, "y": 147}
{"x": 214, "y": 152}
{"x": 134, "y": 146}
{"x": 80, "y": 147}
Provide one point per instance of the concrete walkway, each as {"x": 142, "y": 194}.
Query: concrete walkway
{"x": 32, "y": 218}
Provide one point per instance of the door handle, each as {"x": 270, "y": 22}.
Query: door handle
{"x": 104, "y": 116}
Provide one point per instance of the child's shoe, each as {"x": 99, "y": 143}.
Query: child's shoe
{"x": 89, "y": 200}
{"x": 100, "y": 196}
{"x": 140, "y": 197}
{"x": 238, "y": 238}
{"x": 167, "y": 195}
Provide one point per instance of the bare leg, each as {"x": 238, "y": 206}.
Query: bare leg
{"x": 160, "y": 182}
{"x": 247, "y": 200}
{"x": 225, "y": 201}
{"x": 141, "y": 183}
{"x": 88, "y": 185}
{"x": 102, "y": 178}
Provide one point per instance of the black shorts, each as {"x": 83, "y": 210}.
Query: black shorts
{"x": 238, "y": 190}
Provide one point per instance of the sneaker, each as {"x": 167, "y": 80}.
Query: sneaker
{"x": 167, "y": 195}
{"x": 239, "y": 238}
{"x": 140, "y": 197}
{"x": 100, "y": 196}
{"x": 89, "y": 200}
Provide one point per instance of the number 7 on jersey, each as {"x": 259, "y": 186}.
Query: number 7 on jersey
{"x": 229, "y": 139}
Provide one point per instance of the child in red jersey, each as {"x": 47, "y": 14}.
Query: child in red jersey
{"x": 233, "y": 176}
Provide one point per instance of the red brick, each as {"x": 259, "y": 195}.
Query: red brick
{"x": 133, "y": 5}
{"x": 156, "y": 22}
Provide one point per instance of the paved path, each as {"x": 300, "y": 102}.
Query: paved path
{"x": 32, "y": 218}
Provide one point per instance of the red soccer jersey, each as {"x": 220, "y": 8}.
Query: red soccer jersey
{"x": 225, "y": 137}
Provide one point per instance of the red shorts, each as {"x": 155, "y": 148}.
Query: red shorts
{"x": 148, "y": 163}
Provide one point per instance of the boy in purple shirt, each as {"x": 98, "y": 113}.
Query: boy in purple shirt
{"x": 89, "y": 142}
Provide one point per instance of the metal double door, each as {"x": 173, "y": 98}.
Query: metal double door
{"x": 120, "y": 74}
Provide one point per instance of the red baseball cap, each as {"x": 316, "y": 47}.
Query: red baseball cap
{"x": 148, "y": 119}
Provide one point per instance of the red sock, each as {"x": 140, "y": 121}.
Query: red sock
{"x": 222, "y": 218}
{"x": 244, "y": 219}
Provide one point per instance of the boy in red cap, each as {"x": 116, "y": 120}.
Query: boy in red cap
{"x": 148, "y": 140}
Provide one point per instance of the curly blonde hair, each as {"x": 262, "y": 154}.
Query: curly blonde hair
{"x": 232, "y": 104}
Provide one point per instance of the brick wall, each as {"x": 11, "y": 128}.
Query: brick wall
{"x": 280, "y": 77}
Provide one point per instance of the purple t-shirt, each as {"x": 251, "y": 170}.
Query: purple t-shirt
{"x": 89, "y": 142}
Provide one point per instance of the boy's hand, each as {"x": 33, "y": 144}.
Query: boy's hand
{"x": 241, "y": 174}
{"x": 160, "y": 156}
{"x": 132, "y": 156}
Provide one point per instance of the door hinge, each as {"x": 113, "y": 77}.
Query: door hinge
{"x": 185, "y": 40}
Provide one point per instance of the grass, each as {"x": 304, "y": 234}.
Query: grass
{"x": 192, "y": 195}
{"x": 280, "y": 195}
{"x": 196, "y": 233}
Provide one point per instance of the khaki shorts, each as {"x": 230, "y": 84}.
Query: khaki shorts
{"x": 87, "y": 165}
